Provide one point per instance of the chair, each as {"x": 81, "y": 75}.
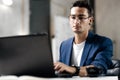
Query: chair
{"x": 115, "y": 69}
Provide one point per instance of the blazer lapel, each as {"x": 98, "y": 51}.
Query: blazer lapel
{"x": 69, "y": 51}
{"x": 86, "y": 48}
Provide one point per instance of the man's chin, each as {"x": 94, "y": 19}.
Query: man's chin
{"x": 78, "y": 32}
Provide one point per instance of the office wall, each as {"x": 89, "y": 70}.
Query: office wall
{"x": 24, "y": 17}
{"x": 14, "y": 19}
{"x": 108, "y": 21}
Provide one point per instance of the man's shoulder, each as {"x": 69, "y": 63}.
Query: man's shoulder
{"x": 97, "y": 38}
{"x": 100, "y": 37}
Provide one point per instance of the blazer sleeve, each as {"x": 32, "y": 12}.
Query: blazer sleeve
{"x": 104, "y": 54}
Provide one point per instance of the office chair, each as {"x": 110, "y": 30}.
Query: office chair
{"x": 115, "y": 69}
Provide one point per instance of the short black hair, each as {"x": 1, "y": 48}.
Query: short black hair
{"x": 83, "y": 4}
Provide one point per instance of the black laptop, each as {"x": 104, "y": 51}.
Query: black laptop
{"x": 26, "y": 55}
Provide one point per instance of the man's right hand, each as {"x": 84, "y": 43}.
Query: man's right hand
{"x": 61, "y": 67}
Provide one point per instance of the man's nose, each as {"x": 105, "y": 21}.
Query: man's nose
{"x": 77, "y": 21}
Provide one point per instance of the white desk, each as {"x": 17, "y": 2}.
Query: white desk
{"x": 73, "y": 78}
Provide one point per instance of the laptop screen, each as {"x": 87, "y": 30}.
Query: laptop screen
{"x": 26, "y": 55}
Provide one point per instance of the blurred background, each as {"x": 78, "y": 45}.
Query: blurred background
{"x": 22, "y": 17}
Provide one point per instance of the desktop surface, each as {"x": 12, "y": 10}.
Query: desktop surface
{"x": 25, "y": 77}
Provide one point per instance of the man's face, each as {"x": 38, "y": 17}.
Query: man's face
{"x": 79, "y": 19}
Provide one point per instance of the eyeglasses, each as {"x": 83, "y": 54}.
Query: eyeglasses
{"x": 79, "y": 18}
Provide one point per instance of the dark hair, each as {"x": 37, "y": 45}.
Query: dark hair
{"x": 83, "y": 4}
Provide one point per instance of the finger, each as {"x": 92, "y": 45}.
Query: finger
{"x": 57, "y": 67}
{"x": 61, "y": 70}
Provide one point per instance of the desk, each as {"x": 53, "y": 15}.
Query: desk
{"x": 11, "y": 77}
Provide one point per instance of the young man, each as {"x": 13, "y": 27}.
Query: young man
{"x": 85, "y": 49}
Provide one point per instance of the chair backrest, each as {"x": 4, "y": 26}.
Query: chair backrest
{"x": 115, "y": 69}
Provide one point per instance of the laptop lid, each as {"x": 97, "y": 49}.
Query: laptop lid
{"x": 26, "y": 55}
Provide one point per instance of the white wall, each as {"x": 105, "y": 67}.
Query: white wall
{"x": 59, "y": 8}
{"x": 14, "y": 19}
{"x": 108, "y": 21}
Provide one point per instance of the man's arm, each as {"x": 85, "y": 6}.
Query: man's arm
{"x": 104, "y": 55}
{"x": 61, "y": 67}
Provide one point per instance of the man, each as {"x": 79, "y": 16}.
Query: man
{"x": 85, "y": 49}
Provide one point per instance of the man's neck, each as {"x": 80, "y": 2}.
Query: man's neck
{"x": 80, "y": 37}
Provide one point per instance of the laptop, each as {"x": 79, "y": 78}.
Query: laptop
{"x": 26, "y": 55}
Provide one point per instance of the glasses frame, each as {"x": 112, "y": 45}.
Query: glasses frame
{"x": 79, "y": 18}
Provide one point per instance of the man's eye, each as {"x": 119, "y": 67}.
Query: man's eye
{"x": 73, "y": 17}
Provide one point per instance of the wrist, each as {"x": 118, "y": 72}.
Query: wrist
{"x": 77, "y": 69}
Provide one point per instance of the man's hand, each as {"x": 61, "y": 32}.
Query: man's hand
{"x": 61, "y": 67}
{"x": 83, "y": 71}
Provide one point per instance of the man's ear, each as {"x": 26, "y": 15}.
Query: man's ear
{"x": 91, "y": 20}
